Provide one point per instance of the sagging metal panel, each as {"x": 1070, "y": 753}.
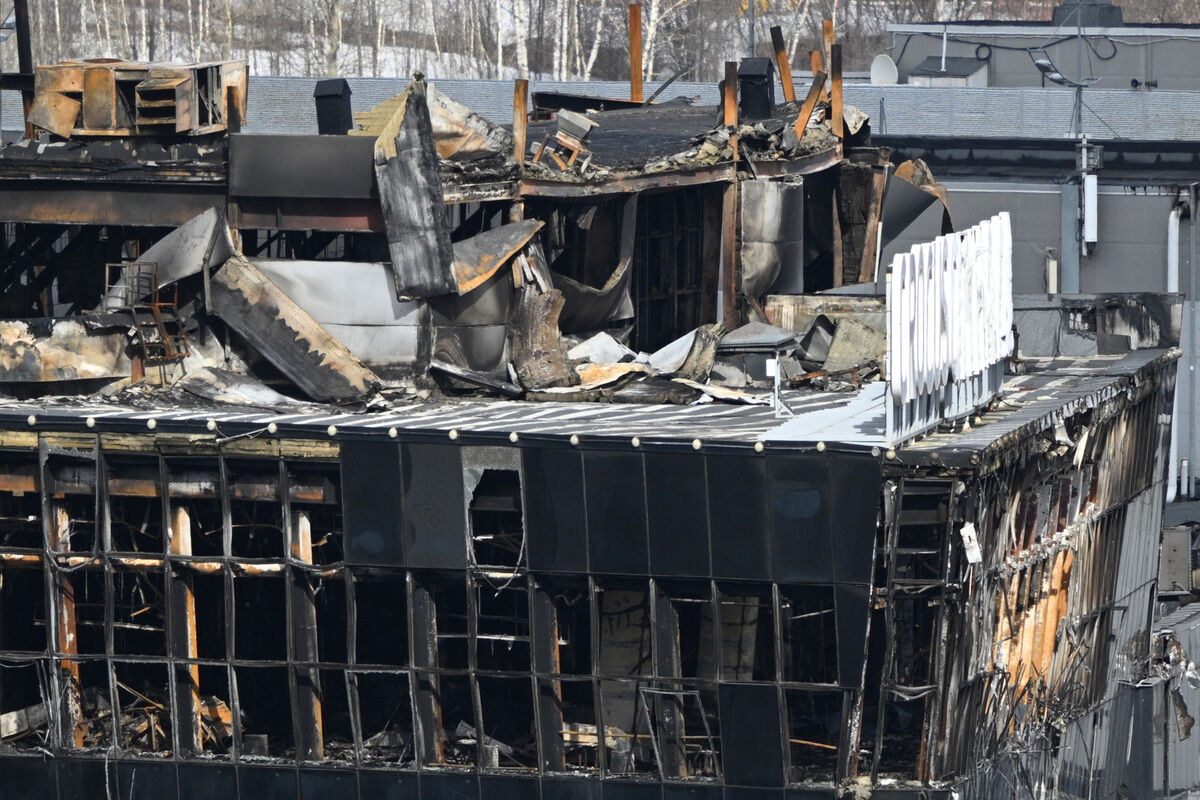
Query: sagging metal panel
{"x": 356, "y": 303}
{"x": 410, "y": 193}
{"x": 772, "y": 237}
{"x": 288, "y": 336}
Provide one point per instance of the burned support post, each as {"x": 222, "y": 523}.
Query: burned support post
{"x": 184, "y": 644}
{"x": 827, "y": 39}
{"x": 785, "y": 67}
{"x": 520, "y": 128}
{"x": 835, "y": 97}
{"x": 66, "y": 641}
{"x": 819, "y": 67}
{"x": 810, "y": 104}
{"x": 729, "y": 277}
{"x": 544, "y": 638}
{"x": 310, "y": 742}
{"x": 427, "y": 711}
{"x": 635, "y": 52}
{"x": 520, "y": 118}
{"x": 24, "y": 59}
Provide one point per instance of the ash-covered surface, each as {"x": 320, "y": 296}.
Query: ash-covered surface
{"x": 630, "y": 139}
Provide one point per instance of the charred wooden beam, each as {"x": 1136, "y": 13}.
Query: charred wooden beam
{"x": 835, "y": 91}
{"x": 427, "y": 709}
{"x": 785, "y": 66}
{"x": 64, "y": 631}
{"x": 184, "y": 644}
{"x": 520, "y": 120}
{"x": 310, "y": 741}
{"x": 635, "y": 52}
{"x": 810, "y": 104}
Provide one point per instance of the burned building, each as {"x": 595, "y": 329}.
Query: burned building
{"x": 454, "y": 461}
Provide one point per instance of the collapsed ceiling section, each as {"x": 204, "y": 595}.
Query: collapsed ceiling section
{"x": 639, "y": 254}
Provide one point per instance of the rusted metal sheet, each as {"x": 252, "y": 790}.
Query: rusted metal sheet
{"x": 55, "y": 112}
{"x": 159, "y": 205}
{"x": 410, "y": 192}
{"x": 287, "y": 336}
{"x": 477, "y": 259}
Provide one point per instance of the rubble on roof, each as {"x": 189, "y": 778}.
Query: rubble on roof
{"x": 539, "y": 301}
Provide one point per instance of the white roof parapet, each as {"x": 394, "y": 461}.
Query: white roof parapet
{"x": 950, "y": 319}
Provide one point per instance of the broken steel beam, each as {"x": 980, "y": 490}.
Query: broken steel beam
{"x": 295, "y": 343}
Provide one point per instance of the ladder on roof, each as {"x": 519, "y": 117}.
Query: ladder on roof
{"x": 156, "y": 329}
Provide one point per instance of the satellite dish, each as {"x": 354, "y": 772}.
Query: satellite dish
{"x": 883, "y": 71}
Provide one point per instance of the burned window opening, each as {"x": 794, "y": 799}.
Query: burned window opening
{"x": 144, "y": 700}
{"x": 814, "y": 722}
{"x": 383, "y": 704}
{"x": 502, "y": 636}
{"x": 266, "y": 712}
{"x": 747, "y": 633}
{"x": 20, "y": 504}
{"x": 509, "y": 740}
{"x": 257, "y": 514}
{"x": 139, "y": 612}
{"x": 680, "y": 733}
{"x": 260, "y": 619}
{"x": 497, "y": 526}
{"x": 381, "y": 619}
{"x": 808, "y": 648}
{"x": 668, "y": 263}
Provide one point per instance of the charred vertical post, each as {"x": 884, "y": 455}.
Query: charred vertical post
{"x": 520, "y": 118}
{"x": 543, "y": 629}
{"x": 24, "y": 59}
{"x": 827, "y": 39}
{"x": 64, "y": 635}
{"x": 230, "y": 606}
{"x": 835, "y": 97}
{"x": 310, "y": 743}
{"x": 427, "y": 712}
{"x": 635, "y": 52}
{"x": 785, "y": 66}
{"x": 818, "y": 65}
{"x": 183, "y": 636}
{"x": 729, "y": 278}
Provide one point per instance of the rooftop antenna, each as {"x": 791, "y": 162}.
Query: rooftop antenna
{"x": 1046, "y": 65}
